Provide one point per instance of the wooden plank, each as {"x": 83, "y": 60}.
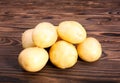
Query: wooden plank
{"x": 101, "y": 19}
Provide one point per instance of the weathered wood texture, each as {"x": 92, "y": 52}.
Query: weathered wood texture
{"x": 101, "y": 19}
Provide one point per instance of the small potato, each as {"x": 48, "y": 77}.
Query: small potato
{"x": 63, "y": 54}
{"x": 58, "y": 38}
{"x": 44, "y": 35}
{"x": 27, "y": 39}
{"x": 72, "y": 32}
{"x": 33, "y": 59}
{"x": 89, "y": 50}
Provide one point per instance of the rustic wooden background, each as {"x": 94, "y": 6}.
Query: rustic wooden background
{"x": 101, "y": 19}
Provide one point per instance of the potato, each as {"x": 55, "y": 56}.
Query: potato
{"x": 27, "y": 39}
{"x": 63, "y": 54}
{"x": 72, "y": 32}
{"x": 58, "y": 38}
{"x": 44, "y": 35}
{"x": 33, "y": 59}
{"x": 90, "y": 50}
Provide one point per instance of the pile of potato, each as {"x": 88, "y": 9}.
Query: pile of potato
{"x": 66, "y": 41}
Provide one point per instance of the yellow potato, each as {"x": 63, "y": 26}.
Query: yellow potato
{"x": 90, "y": 50}
{"x": 63, "y": 54}
{"x": 27, "y": 39}
{"x": 71, "y": 31}
{"x": 44, "y": 35}
{"x": 33, "y": 59}
{"x": 58, "y": 38}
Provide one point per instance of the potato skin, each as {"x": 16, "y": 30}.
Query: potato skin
{"x": 63, "y": 54}
{"x": 89, "y": 50}
{"x": 33, "y": 59}
{"x": 71, "y": 31}
{"x": 44, "y": 35}
{"x": 27, "y": 40}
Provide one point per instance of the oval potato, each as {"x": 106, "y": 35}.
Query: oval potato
{"x": 27, "y": 40}
{"x": 33, "y": 59}
{"x": 44, "y": 35}
{"x": 89, "y": 50}
{"x": 72, "y": 32}
{"x": 63, "y": 54}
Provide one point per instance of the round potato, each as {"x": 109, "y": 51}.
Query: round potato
{"x": 27, "y": 39}
{"x": 63, "y": 54}
{"x": 72, "y": 32}
{"x": 58, "y": 38}
{"x": 89, "y": 50}
{"x": 44, "y": 35}
{"x": 33, "y": 59}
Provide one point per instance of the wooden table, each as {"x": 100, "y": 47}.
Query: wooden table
{"x": 101, "y": 19}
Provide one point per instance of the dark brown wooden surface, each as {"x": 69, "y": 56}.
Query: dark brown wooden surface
{"x": 101, "y": 19}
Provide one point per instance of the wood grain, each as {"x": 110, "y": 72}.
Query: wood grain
{"x": 101, "y": 19}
